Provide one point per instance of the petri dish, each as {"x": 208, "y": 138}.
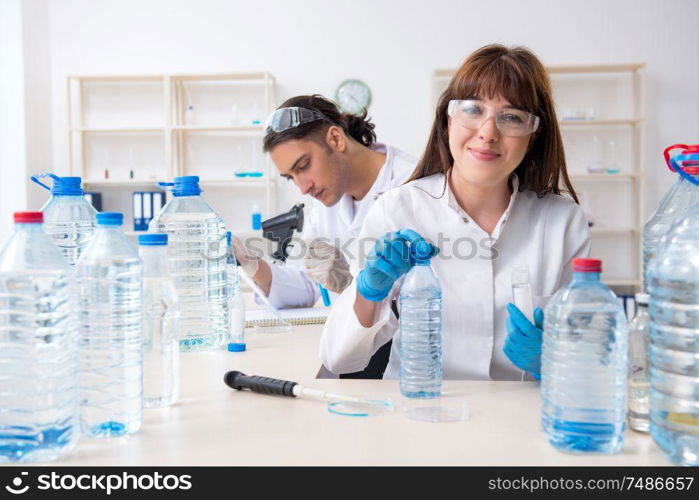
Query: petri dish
{"x": 368, "y": 408}
{"x": 438, "y": 410}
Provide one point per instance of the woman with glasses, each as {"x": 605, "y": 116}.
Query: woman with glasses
{"x": 333, "y": 157}
{"x": 491, "y": 192}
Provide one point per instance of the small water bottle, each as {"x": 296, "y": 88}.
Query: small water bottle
{"x": 109, "y": 276}
{"x": 584, "y": 364}
{"x": 39, "y": 406}
{"x": 674, "y": 342}
{"x": 522, "y": 291}
{"x": 161, "y": 351}
{"x": 420, "y": 328}
{"x": 236, "y": 303}
{"x": 682, "y": 196}
{"x": 69, "y": 219}
{"x": 197, "y": 249}
{"x": 639, "y": 384}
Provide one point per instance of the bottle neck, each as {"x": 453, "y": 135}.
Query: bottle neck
{"x": 155, "y": 260}
{"x": 586, "y": 277}
{"x": 28, "y": 226}
{"x": 422, "y": 262}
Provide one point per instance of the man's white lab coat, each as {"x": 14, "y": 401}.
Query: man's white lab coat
{"x": 339, "y": 225}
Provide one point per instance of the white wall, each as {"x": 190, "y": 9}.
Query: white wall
{"x": 312, "y": 45}
{"x": 12, "y": 139}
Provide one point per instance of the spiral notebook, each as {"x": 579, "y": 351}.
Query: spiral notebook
{"x": 300, "y": 316}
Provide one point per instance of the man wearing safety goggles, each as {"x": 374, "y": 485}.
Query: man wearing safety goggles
{"x": 333, "y": 157}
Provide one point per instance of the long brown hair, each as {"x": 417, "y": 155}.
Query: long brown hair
{"x": 517, "y": 75}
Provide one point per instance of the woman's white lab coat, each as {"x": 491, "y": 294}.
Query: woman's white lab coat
{"x": 339, "y": 225}
{"x": 474, "y": 271}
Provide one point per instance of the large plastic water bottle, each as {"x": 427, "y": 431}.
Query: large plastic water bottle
{"x": 639, "y": 383}
{"x": 420, "y": 329}
{"x": 197, "y": 249}
{"x": 236, "y": 303}
{"x": 69, "y": 219}
{"x": 39, "y": 412}
{"x": 683, "y": 195}
{"x": 674, "y": 342}
{"x": 583, "y": 364}
{"x": 161, "y": 346}
{"x": 109, "y": 275}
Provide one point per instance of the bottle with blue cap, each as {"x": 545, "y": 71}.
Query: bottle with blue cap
{"x": 69, "y": 219}
{"x": 161, "y": 345}
{"x": 197, "y": 249}
{"x": 109, "y": 276}
{"x": 420, "y": 327}
{"x": 236, "y": 302}
{"x": 39, "y": 416}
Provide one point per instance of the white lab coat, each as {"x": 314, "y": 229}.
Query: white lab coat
{"x": 339, "y": 225}
{"x": 544, "y": 233}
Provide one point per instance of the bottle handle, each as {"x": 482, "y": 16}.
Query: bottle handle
{"x": 675, "y": 166}
{"x": 36, "y": 178}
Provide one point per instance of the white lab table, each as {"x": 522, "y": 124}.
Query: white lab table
{"x": 212, "y": 424}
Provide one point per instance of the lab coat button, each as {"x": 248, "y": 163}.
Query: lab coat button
{"x": 465, "y": 219}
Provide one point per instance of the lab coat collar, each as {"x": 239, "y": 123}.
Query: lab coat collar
{"x": 383, "y": 182}
{"x": 437, "y": 187}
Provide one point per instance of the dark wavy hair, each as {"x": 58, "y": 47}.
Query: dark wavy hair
{"x": 359, "y": 127}
{"x": 518, "y": 75}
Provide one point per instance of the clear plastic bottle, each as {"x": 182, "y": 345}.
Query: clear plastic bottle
{"x": 39, "y": 406}
{"x": 683, "y": 195}
{"x": 236, "y": 303}
{"x": 584, "y": 364}
{"x": 197, "y": 249}
{"x": 69, "y": 219}
{"x": 420, "y": 329}
{"x": 639, "y": 405}
{"x": 674, "y": 342}
{"x": 161, "y": 346}
{"x": 109, "y": 276}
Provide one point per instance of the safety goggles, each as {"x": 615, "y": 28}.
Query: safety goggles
{"x": 285, "y": 118}
{"x": 472, "y": 114}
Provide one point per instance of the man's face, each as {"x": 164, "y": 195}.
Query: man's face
{"x": 315, "y": 168}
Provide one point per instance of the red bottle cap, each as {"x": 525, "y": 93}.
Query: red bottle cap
{"x": 690, "y": 167}
{"x": 587, "y": 265}
{"x": 29, "y": 217}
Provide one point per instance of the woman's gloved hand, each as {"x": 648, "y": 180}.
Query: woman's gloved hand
{"x": 389, "y": 260}
{"x": 326, "y": 265}
{"x": 523, "y": 342}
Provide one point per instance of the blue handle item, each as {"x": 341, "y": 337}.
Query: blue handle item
{"x": 326, "y": 296}
{"x": 675, "y": 162}
{"x": 36, "y": 178}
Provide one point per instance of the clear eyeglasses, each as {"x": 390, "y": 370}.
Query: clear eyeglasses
{"x": 512, "y": 122}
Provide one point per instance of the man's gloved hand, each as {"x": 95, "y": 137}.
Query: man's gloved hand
{"x": 523, "y": 342}
{"x": 326, "y": 264}
{"x": 389, "y": 260}
{"x": 246, "y": 259}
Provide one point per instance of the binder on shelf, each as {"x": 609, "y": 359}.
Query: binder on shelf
{"x": 138, "y": 224}
{"x": 94, "y": 199}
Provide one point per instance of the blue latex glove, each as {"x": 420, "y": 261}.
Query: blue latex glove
{"x": 523, "y": 342}
{"x": 389, "y": 260}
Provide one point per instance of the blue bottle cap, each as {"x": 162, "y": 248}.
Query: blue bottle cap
{"x": 186, "y": 185}
{"x": 421, "y": 251}
{"x": 110, "y": 219}
{"x": 236, "y": 346}
{"x": 152, "y": 239}
{"x": 67, "y": 186}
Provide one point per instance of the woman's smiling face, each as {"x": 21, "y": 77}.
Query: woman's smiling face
{"x": 485, "y": 156}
